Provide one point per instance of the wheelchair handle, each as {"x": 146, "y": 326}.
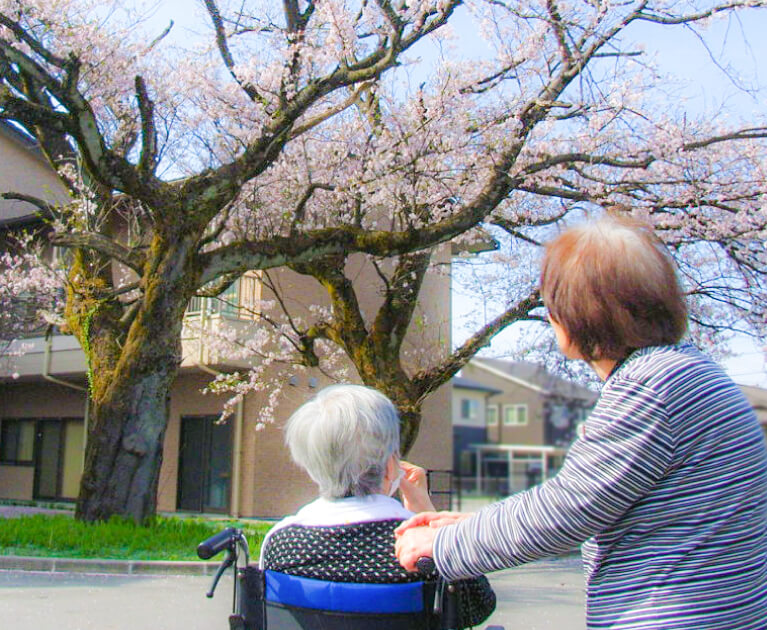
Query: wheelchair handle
{"x": 425, "y": 565}
{"x": 225, "y": 539}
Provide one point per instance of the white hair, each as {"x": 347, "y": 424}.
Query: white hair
{"x": 343, "y": 438}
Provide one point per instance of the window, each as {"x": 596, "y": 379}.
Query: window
{"x": 559, "y": 415}
{"x": 17, "y": 441}
{"x": 492, "y": 415}
{"x": 514, "y": 415}
{"x": 469, "y": 409}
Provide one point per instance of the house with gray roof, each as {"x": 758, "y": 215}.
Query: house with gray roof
{"x": 530, "y": 417}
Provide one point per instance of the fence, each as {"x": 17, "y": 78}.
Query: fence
{"x": 441, "y": 488}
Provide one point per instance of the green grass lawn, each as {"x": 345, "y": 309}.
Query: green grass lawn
{"x": 165, "y": 538}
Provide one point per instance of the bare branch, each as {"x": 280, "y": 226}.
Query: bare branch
{"x": 329, "y": 112}
{"x": 400, "y": 300}
{"x": 161, "y": 36}
{"x": 560, "y": 30}
{"x": 300, "y": 210}
{"x": 218, "y": 286}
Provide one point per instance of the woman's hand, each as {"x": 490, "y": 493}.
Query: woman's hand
{"x": 415, "y": 543}
{"x": 413, "y": 488}
{"x": 432, "y": 520}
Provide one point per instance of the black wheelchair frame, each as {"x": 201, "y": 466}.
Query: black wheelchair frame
{"x": 252, "y": 611}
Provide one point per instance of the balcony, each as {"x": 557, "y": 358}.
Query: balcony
{"x": 237, "y": 307}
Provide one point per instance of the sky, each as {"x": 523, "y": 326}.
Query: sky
{"x": 737, "y": 45}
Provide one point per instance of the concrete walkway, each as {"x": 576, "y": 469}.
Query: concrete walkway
{"x": 11, "y": 511}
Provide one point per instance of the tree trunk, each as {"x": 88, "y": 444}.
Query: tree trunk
{"x": 410, "y": 423}
{"x": 125, "y": 441}
{"x": 130, "y": 379}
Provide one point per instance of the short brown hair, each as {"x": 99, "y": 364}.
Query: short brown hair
{"x": 612, "y": 285}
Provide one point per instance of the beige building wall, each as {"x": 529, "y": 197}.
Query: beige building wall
{"x": 25, "y": 171}
{"x": 41, "y": 400}
{"x": 16, "y": 482}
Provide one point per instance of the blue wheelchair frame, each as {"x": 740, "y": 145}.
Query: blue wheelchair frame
{"x": 267, "y": 600}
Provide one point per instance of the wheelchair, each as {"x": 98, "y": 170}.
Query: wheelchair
{"x": 268, "y": 600}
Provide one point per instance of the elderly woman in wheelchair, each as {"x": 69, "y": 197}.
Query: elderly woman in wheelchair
{"x": 332, "y": 564}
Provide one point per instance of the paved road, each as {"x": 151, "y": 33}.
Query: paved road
{"x": 542, "y": 596}
{"x": 545, "y": 595}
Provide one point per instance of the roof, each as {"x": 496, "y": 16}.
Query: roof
{"x": 482, "y": 241}
{"x": 467, "y": 383}
{"x": 14, "y": 133}
{"x": 536, "y": 377}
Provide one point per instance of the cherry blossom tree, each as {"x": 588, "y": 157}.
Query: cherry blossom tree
{"x": 305, "y": 135}
{"x": 607, "y": 145}
{"x": 109, "y": 107}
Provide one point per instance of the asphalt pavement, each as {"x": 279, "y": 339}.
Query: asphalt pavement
{"x": 540, "y": 596}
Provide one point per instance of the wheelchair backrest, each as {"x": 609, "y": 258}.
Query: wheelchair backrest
{"x": 276, "y": 601}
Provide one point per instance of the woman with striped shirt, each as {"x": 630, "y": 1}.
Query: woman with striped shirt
{"x": 666, "y": 488}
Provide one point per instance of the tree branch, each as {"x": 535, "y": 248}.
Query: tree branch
{"x": 400, "y": 300}
{"x": 23, "y": 36}
{"x": 47, "y": 209}
{"x": 429, "y": 380}
{"x": 226, "y": 54}
{"x": 100, "y": 243}
{"x": 148, "y": 158}
{"x": 219, "y": 186}
{"x": 217, "y": 286}
{"x": 299, "y": 212}
{"x": 695, "y": 17}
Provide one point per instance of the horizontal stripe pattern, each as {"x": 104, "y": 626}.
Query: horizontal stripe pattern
{"x": 667, "y": 491}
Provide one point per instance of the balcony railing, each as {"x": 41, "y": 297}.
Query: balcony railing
{"x": 239, "y": 301}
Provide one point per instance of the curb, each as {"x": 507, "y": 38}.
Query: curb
{"x": 120, "y": 567}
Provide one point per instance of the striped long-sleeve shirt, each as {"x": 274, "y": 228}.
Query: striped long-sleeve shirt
{"x": 667, "y": 486}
